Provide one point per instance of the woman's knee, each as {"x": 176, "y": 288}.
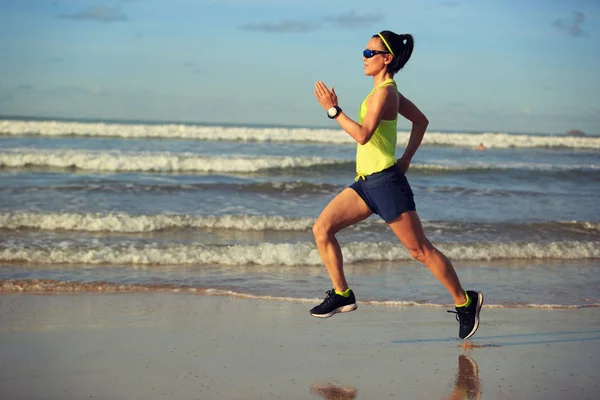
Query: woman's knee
{"x": 323, "y": 230}
{"x": 422, "y": 252}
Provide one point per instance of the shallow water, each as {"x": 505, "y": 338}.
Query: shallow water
{"x": 230, "y": 210}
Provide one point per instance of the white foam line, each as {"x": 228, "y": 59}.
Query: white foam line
{"x": 149, "y": 223}
{"x": 127, "y": 223}
{"x": 54, "y": 286}
{"x": 122, "y": 161}
{"x": 288, "y": 254}
{"x": 388, "y": 303}
{"x": 196, "y": 132}
{"x": 115, "y": 161}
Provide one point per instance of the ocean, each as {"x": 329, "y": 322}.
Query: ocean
{"x": 228, "y": 210}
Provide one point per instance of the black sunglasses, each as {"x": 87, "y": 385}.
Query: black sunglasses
{"x": 371, "y": 53}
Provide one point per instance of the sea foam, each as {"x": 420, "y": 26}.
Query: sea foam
{"x": 115, "y": 161}
{"x": 289, "y": 254}
{"x": 58, "y": 286}
{"x": 128, "y": 223}
{"x": 128, "y": 161}
{"x": 199, "y": 132}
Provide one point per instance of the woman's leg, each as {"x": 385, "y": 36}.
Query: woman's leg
{"x": 346, "y": 209}
{"x": 409, "y": 230}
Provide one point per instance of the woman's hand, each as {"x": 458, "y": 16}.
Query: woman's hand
{"x": 403, "y": 163}
{"x": 326, "y": 98}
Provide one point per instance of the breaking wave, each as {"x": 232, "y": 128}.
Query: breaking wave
{"x": 198, "y": 132}
{"x": 117, "y": 161}
{"x": 120, "y": 161}
{"x": 149, "y": 223}
{"x": 289, "y": 254}
{"x": 127, "y": 223}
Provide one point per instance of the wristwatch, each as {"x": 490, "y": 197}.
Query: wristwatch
{"x": 333, "y": 112}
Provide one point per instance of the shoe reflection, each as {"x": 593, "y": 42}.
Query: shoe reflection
{"x": 467, "y": 383}
{"x": 332, "y": 392}
{"x": 466, "y": 386}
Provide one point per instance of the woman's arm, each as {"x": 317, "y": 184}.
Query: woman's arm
{"x": 361, "y": 133}
{"x": 408, "y": 110}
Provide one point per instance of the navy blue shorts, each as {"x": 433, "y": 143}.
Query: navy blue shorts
{"x": 387, "y": 193}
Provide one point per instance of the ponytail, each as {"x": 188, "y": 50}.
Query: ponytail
{"x": 401, "y": 46}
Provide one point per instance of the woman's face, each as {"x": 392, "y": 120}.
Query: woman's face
{"x": 378, "y": 62}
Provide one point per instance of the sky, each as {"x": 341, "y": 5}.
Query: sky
{"x": 478, "y": 65}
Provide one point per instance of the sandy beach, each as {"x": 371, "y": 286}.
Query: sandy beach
{"x": 182, "y": 346}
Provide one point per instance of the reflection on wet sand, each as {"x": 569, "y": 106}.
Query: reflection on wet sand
{"x": 467, "y": 380}
{"x": 466, "y": 386}
{"x": 333, "y": 392}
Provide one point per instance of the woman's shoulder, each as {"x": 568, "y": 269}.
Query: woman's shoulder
{"x": 387, "y": 89}
{"x": 390, "y": 91}
{"x": 383, "y": 92}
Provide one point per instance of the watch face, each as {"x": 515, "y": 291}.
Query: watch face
{"x": 332, "y": 111}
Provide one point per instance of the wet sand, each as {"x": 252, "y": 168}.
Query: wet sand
{"x": 184, "y": 346}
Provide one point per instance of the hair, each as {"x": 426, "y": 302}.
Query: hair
{"x": 401, "y": 45}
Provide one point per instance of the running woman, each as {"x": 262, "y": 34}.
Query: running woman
{"x": 380, "y": 185}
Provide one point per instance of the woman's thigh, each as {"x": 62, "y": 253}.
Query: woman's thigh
{"x": 346, "y": 209}
{"x": 409, "y": 230}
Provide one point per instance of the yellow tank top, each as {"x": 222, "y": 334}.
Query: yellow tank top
{"x": 378, "y": 153}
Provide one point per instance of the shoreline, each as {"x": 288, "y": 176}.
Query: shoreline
{"x": 53, "y": 287}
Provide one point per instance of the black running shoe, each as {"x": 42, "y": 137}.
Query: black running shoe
{"x": 334, "y": 303}
{"x": 468, "y": 317}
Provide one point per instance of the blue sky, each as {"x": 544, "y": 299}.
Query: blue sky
{"x": 510, "y": 65}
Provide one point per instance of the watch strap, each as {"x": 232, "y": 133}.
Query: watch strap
{"x": 338, "y": 111}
